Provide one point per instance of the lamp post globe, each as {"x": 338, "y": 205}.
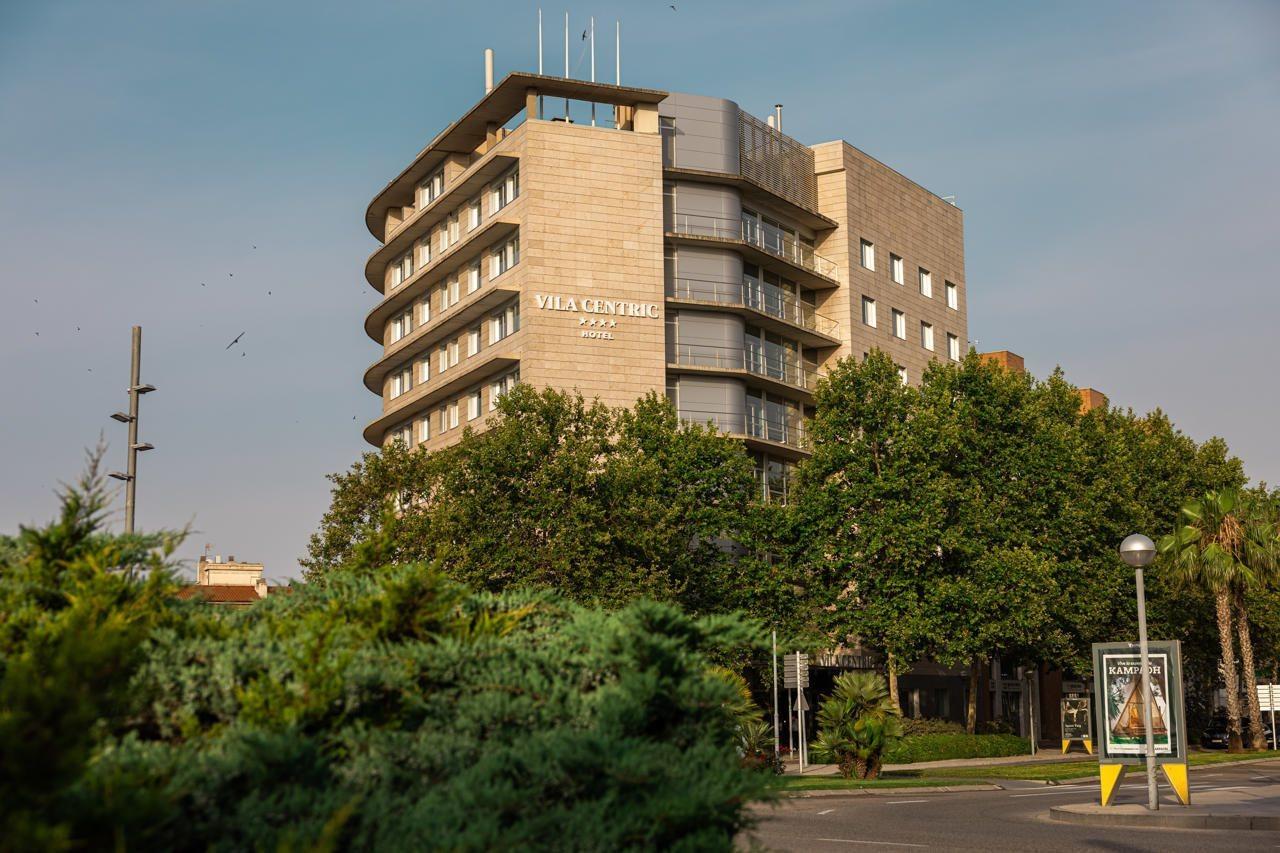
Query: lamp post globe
{"x": 1137, "y": 550}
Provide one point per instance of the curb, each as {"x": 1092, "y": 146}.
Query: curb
{"x": 1175, "y": 819}
{"x": 890, "y": 792}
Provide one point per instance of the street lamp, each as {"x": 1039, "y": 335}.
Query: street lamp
{"x": 1138, "y": 551}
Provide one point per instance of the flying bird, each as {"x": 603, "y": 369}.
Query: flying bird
{"x": 673, "y": 8}
{"x": 233, "y": 275}
{"x": 202, "y": 284}
{"x": 243, "y": 354}
{"x": 255, "y": 247}
{"x": 236, "y": 341}
{"x": 37, "y": 301}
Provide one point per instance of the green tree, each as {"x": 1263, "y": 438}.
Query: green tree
{"x": 857, "y": 722}
{"x": 603, "y": 505}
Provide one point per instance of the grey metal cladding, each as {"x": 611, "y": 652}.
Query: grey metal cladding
{"x": 706, "y": 132}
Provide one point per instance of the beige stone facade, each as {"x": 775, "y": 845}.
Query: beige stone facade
{"x": 679, "y": 245}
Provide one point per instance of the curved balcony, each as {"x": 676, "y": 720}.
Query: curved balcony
{"x": 770, "y": 306}
{"x": 780, "y": 252}
{"x": 781, "y": 374}
{"x": 790, "y": 436}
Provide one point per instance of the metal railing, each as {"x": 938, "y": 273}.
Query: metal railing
{"x": 800, "y": 373}
{"x": 774, "y": 242}
{"x": 758, "y": 296}
{"x": 793, "y": 432}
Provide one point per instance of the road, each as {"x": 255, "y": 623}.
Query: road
{"x": 1011, "y": 819}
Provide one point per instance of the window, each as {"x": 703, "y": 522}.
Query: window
{"x": 953, "y": 296}
{"x": 449, "y": 293}
{"x": 895, "y": 269}
{"x": 453, "y": 415}
{"x": 504, "y": 257}
{"x": 902, "y": 374}
{"x": 453, "y": 353}
{"x": 869, "y": 311}
{"x": 401, "y": 381}
{"x": 403, "y": 434}
{"x": 443, "y": 353}
{"x": 953, "y": 347}
{"x": 401, "y": 325}
{"x": 424, "y": 429}
{"x": 926, "y": 335}
{"x": 423, "y": 247}
{"x": 424, "y": 309}
{"x": 473, "y": 277}
{"x": 504, "y": 322}
{"x": 926, "y": 283}
{"x": 424, "y": 369}
{"x": 429, "y": 190}
{"x": 401, "y": 269}
{"x": 500, "y": 386}
{"x": 473, "y": 405}
{"x": 473, "y": 214}
{"x": 868, "y": 255}
{"x": 444, "y": 418}
{"x": 506, "y": 189}
{"x": 899, "y": 324}
{"x": 453, "y": 228}
{"x": 473, "y": 341}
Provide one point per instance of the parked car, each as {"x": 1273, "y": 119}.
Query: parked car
{"x": 1215, "y": 735}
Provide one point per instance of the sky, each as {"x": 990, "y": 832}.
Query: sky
{"x": 202, "y": 169}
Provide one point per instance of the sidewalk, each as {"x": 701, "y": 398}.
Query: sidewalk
{"x": 1257, "y": 807}
{"x": 1045, "y": 756}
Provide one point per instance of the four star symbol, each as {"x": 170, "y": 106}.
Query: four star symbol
{"x": 600, "y": 323}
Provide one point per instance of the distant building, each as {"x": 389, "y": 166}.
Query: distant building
{"x": 231, "y": 583}
{"x": 1090, "y": 398}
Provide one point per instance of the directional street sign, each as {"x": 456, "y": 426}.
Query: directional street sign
{"x": 794, "y": 671}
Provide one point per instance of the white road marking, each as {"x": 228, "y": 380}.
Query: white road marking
{"x": 881, "y": 843}
{"x": 1045, "y": 794}
{"x": 828, "y": 811}
{"x": 900, "y": 802}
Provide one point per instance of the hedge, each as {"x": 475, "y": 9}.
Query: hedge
{"x": 915, "y": 748}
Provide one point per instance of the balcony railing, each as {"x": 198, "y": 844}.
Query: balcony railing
{"x": 792, "y": 432}
{"x": 771, "y": 241}
{"x": 801, "y": 374}
{"x": 759, "y": 296}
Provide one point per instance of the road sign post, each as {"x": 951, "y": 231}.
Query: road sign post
{"x": 795, "y": 673}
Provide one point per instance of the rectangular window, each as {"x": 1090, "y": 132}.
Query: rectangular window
{"x": 430, "y": 188}
{"x": 953, "y": 347}
{"x": 473, "y": 214}
{"x": 953, "y": 296}
{"x": 444, "y": 418}
{"x": 895, "y": 268}
{"x": 899, "y": 324}
{"x": 868, "y": 255}
{"x": 473, "y": 277}
{"x": 424, "y": 310}
{"x": 505, "y": 256}
{"x": 473, "y": 405}
{"x": 504, "y": 322}
{"x": 926, "y": 335}
{"x": 453, "y": 415}
{"x": 423, "y": 248}
{"x": 506, "y": 189}
{"x": 401, "y": 382}
{"x": 403, "y": 434}
{"x": 424, "y": 369}
{"x": 443, "y": 352}
{"x": 902, "y": 374}
{"x": 500, "y": 387}
{"x": 453, "y": 228}
{"x": 401, "y": 325}
{"x": 926, "y": 283}
{"x": 453, "y": 353}
{"x": 473, "y": 341}
{"x": 424, "y": 429}
{"x": 869, "y": 311}
{"x": 401, "y": 269}
{"x": 452, "y": 286}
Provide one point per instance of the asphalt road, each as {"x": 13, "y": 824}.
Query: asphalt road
{"x": 1013, "y": 819}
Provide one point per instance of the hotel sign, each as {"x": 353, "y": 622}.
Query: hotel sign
{"x": 598, "y": 317}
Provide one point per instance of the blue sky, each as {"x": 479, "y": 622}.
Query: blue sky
{"x": 1116, "y": 163}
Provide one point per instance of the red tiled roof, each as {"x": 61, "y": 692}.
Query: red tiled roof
{"x": 221, "y": 593}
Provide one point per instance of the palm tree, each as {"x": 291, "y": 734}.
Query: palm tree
{"x": 1207, "y": 549}
{"x": 1262, "y": 556}
{"x": 856, "y": 722}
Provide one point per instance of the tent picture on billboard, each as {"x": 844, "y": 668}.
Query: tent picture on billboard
{"x": 1125, "y": 731}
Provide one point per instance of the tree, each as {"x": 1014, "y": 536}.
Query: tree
{"x": 857, "y": 721}
{"x": 1209, "y": 548}
{"x": 603, "y": 505}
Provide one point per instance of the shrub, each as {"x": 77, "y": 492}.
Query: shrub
{"x": 857, "y": 721}
{"x": 389, "y": 709}
{"x": 940, "y": 747}
{"x": 930, "y": 726}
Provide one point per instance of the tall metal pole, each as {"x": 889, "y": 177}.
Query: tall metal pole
{"x": 566, "y": 62}
{"x": 593, "y": 66}
{"x": 1153, "y": 798}
{"x": 131, "y": 484}
{"x": 800, "y": 744}
{"x": 1271, "y": 701}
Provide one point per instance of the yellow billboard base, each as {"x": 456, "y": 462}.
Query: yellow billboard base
{"x": 1109, "y": 775}
{"x": 1088, "y": 745}
{"x": 1177, "y": 776}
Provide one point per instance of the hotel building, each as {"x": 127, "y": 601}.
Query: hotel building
{"x": 675, "y": 244}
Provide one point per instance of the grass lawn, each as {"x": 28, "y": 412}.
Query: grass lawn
{"x": 897, "y": 779}
{"x": 976, "y": 775}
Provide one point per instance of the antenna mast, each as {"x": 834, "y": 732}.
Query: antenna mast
{"x": 593, "y": 66}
